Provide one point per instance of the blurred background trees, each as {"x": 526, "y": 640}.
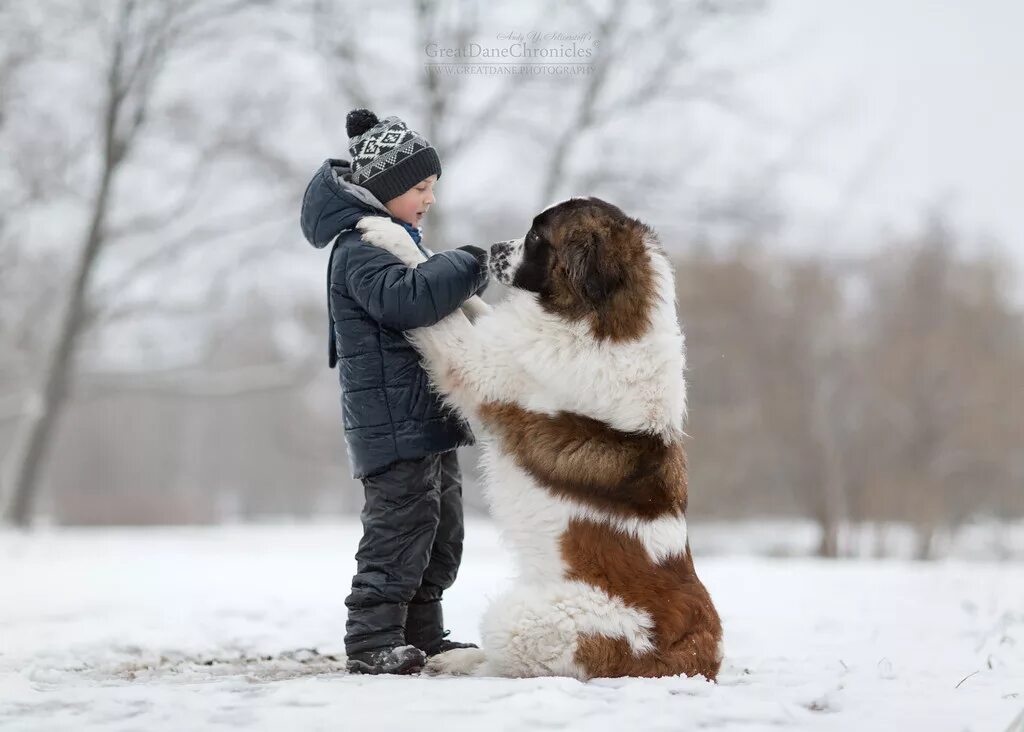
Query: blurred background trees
{"x": 162, "y": 323}
{"x": 886, "y": 389}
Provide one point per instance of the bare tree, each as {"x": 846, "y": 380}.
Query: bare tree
{"x": 139, "y": 41}
{"x": 665, "y": 32}
{"x": 453, "y": 113}
{"x": 815, "y": 350}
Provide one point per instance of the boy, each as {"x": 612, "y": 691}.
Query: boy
{"x": 401, "y": 440}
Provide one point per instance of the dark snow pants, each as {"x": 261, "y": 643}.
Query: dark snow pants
{"x": 408, "y": 556}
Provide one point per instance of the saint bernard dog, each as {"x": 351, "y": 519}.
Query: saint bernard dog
{"x": 577, "y": 380}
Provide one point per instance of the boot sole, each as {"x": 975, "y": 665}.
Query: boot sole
{"x": 407, "y": 668}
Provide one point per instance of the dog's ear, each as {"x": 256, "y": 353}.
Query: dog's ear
{"x": 589, "y": 273}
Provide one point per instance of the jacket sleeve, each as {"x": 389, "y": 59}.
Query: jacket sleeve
{"x": 402, "y": 297}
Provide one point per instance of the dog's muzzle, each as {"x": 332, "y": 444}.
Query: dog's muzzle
{"x": 505, "y": 259}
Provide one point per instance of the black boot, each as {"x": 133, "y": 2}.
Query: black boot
{"x": 424, "y": 628}
{"x": 447, "y": 645}
{"x": 399, "y": 660}
{"x": 424, "y": 624}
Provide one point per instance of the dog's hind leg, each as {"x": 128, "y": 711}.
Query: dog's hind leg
{"x": 534, "y": 630}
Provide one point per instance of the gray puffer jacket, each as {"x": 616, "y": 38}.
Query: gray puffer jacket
{"x": 390, "y": 412}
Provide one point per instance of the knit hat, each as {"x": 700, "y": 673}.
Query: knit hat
{"x": 387, "y": 157}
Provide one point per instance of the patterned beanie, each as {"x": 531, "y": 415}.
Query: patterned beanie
{"x": 387, "y": 157}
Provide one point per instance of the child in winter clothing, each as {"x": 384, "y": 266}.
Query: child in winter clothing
{"x": 401, "y": 439}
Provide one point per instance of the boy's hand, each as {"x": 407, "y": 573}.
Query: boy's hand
{"x": 474, "y": 307}
{"x": 480, "y": 254}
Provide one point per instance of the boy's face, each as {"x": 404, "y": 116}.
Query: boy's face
{"x": 413, "y": 205}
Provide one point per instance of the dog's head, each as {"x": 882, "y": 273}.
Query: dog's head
{"x": 585, "y": 259}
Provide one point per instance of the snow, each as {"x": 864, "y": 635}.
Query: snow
{"x": 189, "y": 628}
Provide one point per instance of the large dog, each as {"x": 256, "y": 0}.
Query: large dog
{"x": 577, "y": 380}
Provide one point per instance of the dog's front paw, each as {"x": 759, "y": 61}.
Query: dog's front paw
{"x": 386, "y": 234}
{"x": 457, "y": 662}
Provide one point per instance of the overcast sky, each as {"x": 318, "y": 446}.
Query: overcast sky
{"x": 921, "y": 102}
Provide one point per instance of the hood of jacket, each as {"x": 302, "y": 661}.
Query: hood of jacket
{"x": 332, "y": 203}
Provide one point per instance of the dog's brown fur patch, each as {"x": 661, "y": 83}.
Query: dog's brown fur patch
{"x": 687, "y": 629}
{"x": 623, "y": 473}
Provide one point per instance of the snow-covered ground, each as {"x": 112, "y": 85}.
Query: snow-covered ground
{"x": 182, "y": 629}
